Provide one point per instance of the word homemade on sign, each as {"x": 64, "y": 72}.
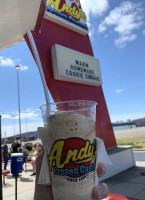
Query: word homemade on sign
{"x": 73, "y": 66}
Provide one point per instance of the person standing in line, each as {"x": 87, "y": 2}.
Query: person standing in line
{"x": 16, "y": 147}
{"x": 35, "y": 154}
{"x": 5, "y": 153}
{"x": 25, "y": 154}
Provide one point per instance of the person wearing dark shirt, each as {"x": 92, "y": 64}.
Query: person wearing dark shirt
{"x": 5, "y": 154}
{"x": 16, "y": 147}
{"x": 25, "y": 154}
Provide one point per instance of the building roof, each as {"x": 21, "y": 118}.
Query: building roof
{"x": 123, "y": 124}
{"x": 18, "y": 16}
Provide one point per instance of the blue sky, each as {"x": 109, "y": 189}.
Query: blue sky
{"x": 117, "y": 33}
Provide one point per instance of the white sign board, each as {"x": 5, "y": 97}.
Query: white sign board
{"x": 73, "y": 66}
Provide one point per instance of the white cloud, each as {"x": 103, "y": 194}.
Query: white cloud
{"x": 10, "y": 130}
{"x": 30, "y": 110}
{"x": 23, "y": 68}
{"x": 125, "y": 19}
{"x": 91, "y": 31}
{"x": 121, "y": 41}
{"x": 6, "y": 116}
{"x": 119, "y": 91}
{"x": 29, "y": 115}
{"x": 143, "y": 32}
{"x": 95, "y": 7}
{"x": 30, "y": 120}
{"x": 8, "y": 62}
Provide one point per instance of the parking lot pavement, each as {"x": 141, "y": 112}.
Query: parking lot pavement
{"x": 25, "y": 185}
{"x": 129, "y": 183}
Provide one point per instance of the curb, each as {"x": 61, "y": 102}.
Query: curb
{"x": 138, "y": 149}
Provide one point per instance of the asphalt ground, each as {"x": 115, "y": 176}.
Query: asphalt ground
{"x": 133, "y": 132}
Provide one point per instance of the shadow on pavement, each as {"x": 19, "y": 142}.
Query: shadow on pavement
{"x": 7, "y": 185}
{"x": 28, "y": 170}
{"x": 26, "y": 179}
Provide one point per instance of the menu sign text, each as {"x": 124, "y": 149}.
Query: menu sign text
{"x": 73, "y": 66}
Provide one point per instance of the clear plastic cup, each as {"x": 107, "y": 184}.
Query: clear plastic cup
{"x": 71, "y": 148}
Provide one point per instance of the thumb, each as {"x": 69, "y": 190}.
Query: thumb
{"x": 101, "y": 191}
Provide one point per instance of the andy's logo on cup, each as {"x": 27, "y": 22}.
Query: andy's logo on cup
{"x": 72, "y": 157}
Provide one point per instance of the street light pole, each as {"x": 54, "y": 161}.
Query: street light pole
{"x": 17, "y": 68}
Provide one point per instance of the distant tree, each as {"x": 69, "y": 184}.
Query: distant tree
{"x": 29, "y": 146}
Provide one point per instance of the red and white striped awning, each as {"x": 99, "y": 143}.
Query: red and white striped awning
{"x": 18, "y": 16}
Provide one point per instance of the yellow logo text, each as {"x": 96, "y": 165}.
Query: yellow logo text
{"x": 65, "y": 8}
{"x": 77, "y": 156}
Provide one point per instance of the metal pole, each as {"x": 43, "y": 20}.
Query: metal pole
{"x": 16, "y": 187}
{"x": 1, "y": 192}
{"x": 17, "y": 67}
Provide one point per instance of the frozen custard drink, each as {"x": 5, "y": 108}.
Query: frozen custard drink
{"x": 71, "y": 149}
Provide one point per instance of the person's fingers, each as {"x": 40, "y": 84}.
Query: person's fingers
{"x": 101, "y": 169}
{"x": 40, "y": 156}
{"x": 101, "y": 191}
{"x": 41, "y": 191}
{"x": 38, "y": 163}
